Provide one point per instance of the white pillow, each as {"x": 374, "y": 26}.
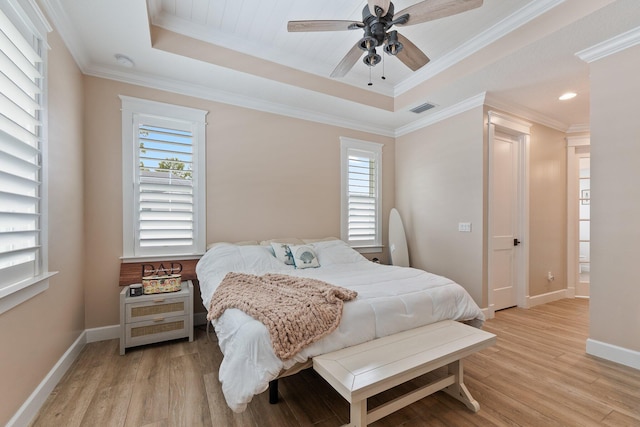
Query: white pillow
{"x": 304, "y": 256}
{"x": 337, "y": 252}
{"x": 282, "y": 252}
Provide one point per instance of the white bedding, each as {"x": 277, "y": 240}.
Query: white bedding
{"x": 390, "y": 299}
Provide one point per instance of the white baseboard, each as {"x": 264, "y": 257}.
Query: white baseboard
{"x": 488, "y": 312}
{"x": 103, "y": 333}
{"x": 112, "y": 332}
{"x": 34, "y": 402}
{"x": 614, "y": 353}
{"x": 546, "y": 298}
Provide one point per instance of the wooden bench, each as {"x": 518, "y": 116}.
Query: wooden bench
{"x": 367, "y": 369}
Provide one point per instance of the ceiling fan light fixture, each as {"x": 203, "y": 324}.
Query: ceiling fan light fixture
{"x": 372, "y": 59}
{"x": 393, "y": 46}
{"x": 368, "y": 42}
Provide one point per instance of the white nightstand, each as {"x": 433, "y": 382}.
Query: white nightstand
{"x": 148, "y": 319}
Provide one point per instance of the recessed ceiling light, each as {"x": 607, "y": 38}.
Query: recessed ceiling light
{"x": 124, "y": 60}
{"x": 568, "y": 95}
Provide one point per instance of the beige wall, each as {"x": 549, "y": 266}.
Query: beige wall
{"x": 35, "y": 334}
{"x": 615, "y": 203}
{"x": 547, "y": 210}
{"x": 439, "y": 183}
{"x": 267, "y": 176}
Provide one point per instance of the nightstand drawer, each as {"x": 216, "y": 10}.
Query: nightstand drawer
{"x": 160, "y": 329}
{"x": 157, "y": 307}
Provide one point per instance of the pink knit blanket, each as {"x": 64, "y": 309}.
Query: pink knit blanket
{"x": 297, "y": 311}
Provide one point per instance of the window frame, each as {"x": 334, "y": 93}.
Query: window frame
{"x": 373, "y": 149}
{"x": 31, "y": 23}
{"x": 132, "y": 110}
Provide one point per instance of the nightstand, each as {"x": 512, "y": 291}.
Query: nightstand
{"x": 148, "y": 319}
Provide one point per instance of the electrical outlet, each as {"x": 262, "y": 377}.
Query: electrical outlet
{"x": 550, "y": 277}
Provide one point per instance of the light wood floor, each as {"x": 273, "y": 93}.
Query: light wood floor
{"x": 537, "y": 375}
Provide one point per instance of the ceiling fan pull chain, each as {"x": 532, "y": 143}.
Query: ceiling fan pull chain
{"x": 370, "y": 82}
{"x": 383, "y": 77}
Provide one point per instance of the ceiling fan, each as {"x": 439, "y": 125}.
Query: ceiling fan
{"x": 377, "y": 19}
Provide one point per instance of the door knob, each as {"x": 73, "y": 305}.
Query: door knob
{"x": 516, "y": 242}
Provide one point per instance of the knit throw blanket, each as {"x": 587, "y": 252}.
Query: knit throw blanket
{"x": 297, "y": 311}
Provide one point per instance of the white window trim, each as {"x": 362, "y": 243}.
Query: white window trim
{"x": 375, "y": 148}
{"x": 131, "y": 106}
{"x": 17, "y": 293}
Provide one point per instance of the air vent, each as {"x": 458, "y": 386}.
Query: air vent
{"x": 422, "y": 108}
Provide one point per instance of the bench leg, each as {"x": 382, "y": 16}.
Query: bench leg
{"x": 358, "y": 414}
{"x": 458, "y": 390}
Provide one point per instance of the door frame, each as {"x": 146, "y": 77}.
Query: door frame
{"x": 505, "y": 123}
{"x": 573, "y": 146}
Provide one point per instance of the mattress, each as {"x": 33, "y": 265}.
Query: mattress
{"x": 390, "y": 299}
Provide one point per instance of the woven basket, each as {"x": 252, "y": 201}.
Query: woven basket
{"x": 160, "y": 284}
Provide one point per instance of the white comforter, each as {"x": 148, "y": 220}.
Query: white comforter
{"x": 390, "y": 299}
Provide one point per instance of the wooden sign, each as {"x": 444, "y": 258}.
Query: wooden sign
{"x": 132, "y": 272}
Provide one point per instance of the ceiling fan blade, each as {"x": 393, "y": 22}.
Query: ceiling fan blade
{"x": 429, "y": 10}
{"x": 299, "y": 26}
{"x": 410, "y": 55}
{"x": 383, "y": 4}
{"x": 348, "y": 61}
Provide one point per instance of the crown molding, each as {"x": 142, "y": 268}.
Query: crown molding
{"x": 63, "y": 25}
{"x": 73, "y": 42}
{"x": 440, "y": 115}
{"x": 510, "y": 122}
{"x": 577, "y": 141}
{"x": 215, "y": 95}
{"x": 518, "y": 110}
{"x": 482, "y": 40}
{"x": 65, "y": 28}
{"x": 609, "y": 47}
{"x": 579, "y": 128}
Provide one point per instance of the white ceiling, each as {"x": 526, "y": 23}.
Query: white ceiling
{"x": 259, "y": 28}
{"x": 521, "y": 53}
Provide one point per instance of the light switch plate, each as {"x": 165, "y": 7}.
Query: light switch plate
{"x": 464, "y": 227}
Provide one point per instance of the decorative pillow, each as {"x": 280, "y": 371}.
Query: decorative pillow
{"x": 282, "y": 252}
{"x": 304, "y": 256}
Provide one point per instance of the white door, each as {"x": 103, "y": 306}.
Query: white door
{"x": 503, "y": 217}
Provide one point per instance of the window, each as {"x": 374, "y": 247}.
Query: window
{"x": 361, "y": 194}
{"x": 23, "y": 196}
{"x": 164, "y": 179}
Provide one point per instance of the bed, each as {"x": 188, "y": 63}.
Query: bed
{"x": 390, "y": 299}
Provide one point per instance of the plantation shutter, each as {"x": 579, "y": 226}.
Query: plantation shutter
{"x": 21, "y": 83}
{"x": 362, "y": 198}
{"x": 165, "y": 185}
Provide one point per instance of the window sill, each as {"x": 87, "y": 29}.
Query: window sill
{"x": 369, "y": 249}
{"x": 130, "y": 259}
{"x": 16, "y": 294}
